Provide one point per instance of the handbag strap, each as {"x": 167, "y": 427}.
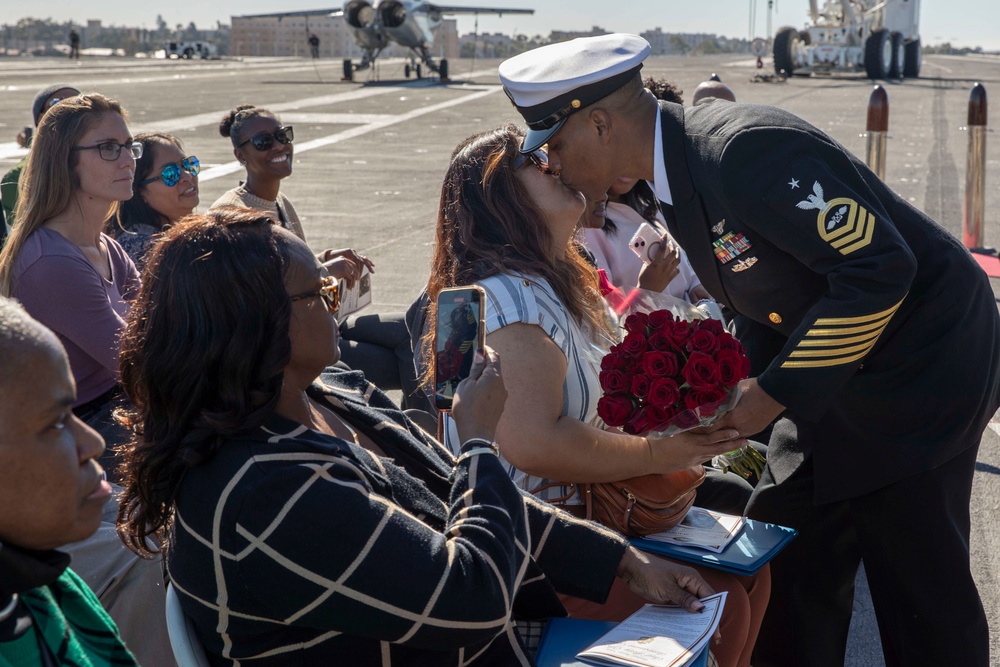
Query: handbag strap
{"x": 582, "y": 488}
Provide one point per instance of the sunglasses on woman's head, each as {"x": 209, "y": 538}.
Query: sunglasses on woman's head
{"x": 329, "y": 292}
{"x": 171, "y": 173}
{"x": 264, "y": 140}
{"x": 538, "y": 157}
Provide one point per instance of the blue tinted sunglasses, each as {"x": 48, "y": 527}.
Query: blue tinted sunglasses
{"x": 171, "y": 173}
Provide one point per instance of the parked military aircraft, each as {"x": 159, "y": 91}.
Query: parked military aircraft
{"x": 406, "y": 22}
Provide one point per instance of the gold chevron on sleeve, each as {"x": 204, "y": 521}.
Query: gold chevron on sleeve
{"x": 834, "y": 341}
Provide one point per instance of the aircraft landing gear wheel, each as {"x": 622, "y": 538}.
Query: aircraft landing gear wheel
{"x": 348, "y": 70}
{"x": 443, "y": 69}
{"x": 898, "y": 66}
{"x": 406, "y": 71}
{"x": 783, "y": 44}
{"x": 878, "y": 54}
{"x": 188, "y": 53}
{"x": 914, "y": 57}
{"x": 420, "y": 73}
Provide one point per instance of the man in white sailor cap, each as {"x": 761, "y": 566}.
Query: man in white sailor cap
{"x": 875, "y": 338}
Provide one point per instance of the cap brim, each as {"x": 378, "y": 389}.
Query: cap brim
{"x": 535, "y": 139}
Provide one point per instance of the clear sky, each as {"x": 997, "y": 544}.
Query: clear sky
{"x": 962, "y": 22}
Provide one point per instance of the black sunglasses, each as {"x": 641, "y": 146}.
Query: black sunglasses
{"x": 110, "y": 151}
{"x": 538, "y": 157}
{"x": 265, "y": 140}
{"x": 171, "y": 173}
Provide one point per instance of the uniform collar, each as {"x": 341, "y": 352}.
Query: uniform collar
{"x": 660, "y": 185}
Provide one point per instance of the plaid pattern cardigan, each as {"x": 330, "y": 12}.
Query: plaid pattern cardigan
{"x": 294, "y": 547}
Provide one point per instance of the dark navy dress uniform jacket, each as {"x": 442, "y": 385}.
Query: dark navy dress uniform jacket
{"x": 888, "y": 337}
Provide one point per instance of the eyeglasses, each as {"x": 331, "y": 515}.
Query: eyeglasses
{"x": 171, "y": 173}
{"x": 265, "y": 140}
{"x": 110, "y": 151}
{"x": 329, "y": 292}
{"x": 537, "y": 157}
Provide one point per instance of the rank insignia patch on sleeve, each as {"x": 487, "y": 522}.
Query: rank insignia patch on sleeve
{"x": 730, "y": 246}
{"x": 841, "y": 222}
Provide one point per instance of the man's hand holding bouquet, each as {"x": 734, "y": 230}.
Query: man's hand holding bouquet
{"x": 676, "y": 369}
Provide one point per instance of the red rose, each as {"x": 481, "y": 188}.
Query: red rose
{"x": 703, "y": 340}
{"x": 637, "y": 322}
{"x": 679, "y": 331}
{"x": 661, "y": 340}
{"x": 614, "y": 360}
{"x": 706, "y": 401}
{"x": 640, "y": 385}
{"x": 658, "y": 319}
{"x": 659, "y": 418}
{"x": 615, "y": 410}
{"x": 711, "y": 325}
{"x": 663, "y": 393}
{"x": 730, "y": 367}
{"x": 727, "y": 342}
{"x": 659, "y": 364}
{"x": 635, "y": 344}
{"x": 637, "y": 423}
{"x": 686, "y": 419}
{"x": 613, "y": 381}
{"x": 701, "y": 371}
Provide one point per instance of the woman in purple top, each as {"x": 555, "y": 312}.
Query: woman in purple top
{"x": 68, "y": 274}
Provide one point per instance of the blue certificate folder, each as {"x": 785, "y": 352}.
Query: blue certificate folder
{"x": 565, "y": 637}
{"x": 757, "y": 543}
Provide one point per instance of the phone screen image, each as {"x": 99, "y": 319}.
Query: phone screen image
{"x": 458, "y": 334}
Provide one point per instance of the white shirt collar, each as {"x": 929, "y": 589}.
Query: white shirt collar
{"x": 660, "y": 185}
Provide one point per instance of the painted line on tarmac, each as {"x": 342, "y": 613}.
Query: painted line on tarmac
{"x": 322, "y": 142}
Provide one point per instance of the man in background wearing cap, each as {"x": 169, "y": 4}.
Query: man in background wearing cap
{"x": 885, "y": 338}
{"x": 44, "y": 100}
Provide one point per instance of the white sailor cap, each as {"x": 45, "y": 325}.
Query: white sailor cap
{"x": 551, "y": 82}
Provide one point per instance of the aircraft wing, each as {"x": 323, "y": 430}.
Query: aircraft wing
{"x": 333, "y": 12}
{"x": 452, "y": 9}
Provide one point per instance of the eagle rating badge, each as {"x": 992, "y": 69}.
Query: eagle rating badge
{"x": 841, "y": 222}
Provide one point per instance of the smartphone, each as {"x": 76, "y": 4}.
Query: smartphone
{"x": 643, "y": 240}
{"x": 459, "y": 333}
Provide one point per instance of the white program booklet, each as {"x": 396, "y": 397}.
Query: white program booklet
{"x": 357, "y": 297}
{"x": 703, "y": 529}
{"x": 658, "y": 636}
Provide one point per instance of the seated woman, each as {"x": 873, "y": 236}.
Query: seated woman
{"x": 379, "y": 345}
{"x": 165, "y": 189}
{"x": 69, "y": 275}
{"x": 51, "y": 494}
{"x": 506, "y": 224}
{"x": 307, "y": 520}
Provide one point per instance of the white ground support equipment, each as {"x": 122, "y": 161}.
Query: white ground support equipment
{"x": 880, "y": 38}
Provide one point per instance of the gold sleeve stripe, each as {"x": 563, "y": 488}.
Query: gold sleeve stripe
{"x": 819, "y": 363}
{"x": 864, "y": 231}
{"x": 833, "y": 321}
{"x": 838, "y": 351}
{"x": 835, "y": 342}
{"x": 850, "y": 330}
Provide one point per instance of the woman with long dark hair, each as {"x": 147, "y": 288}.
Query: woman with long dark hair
{"x": 306, "y": 519}
{"x": 507, "y": 224}
{"x": 165, "y": 189}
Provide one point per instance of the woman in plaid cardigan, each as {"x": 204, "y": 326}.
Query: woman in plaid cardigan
{"x": 308, "y": 520}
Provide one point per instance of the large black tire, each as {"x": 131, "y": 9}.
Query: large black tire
{"x": 406, "y": 70}
{"x": 898, "y": 66}
{"x": 878, "y": 54}
{"x": 443, "y": 68}
{"x": 914, "y": 58}
{"x": 782, "y": 51}
{"x": 188, "y": 53}
{"x": 348, "y": 70}
{"x": 420, "y": 71}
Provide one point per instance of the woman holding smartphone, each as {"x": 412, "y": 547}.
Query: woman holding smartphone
{"x": 306, "y": 520}
{"x": 506, "y": 224}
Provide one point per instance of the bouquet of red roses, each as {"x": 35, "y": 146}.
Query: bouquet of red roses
{"x": 673, "y": 372}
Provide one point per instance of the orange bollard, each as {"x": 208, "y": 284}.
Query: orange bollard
{"x": 878, "y": 128}
{"x": 975, "y": 171}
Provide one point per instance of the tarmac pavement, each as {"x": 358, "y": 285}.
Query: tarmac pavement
{"x": 370, "y": 157}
